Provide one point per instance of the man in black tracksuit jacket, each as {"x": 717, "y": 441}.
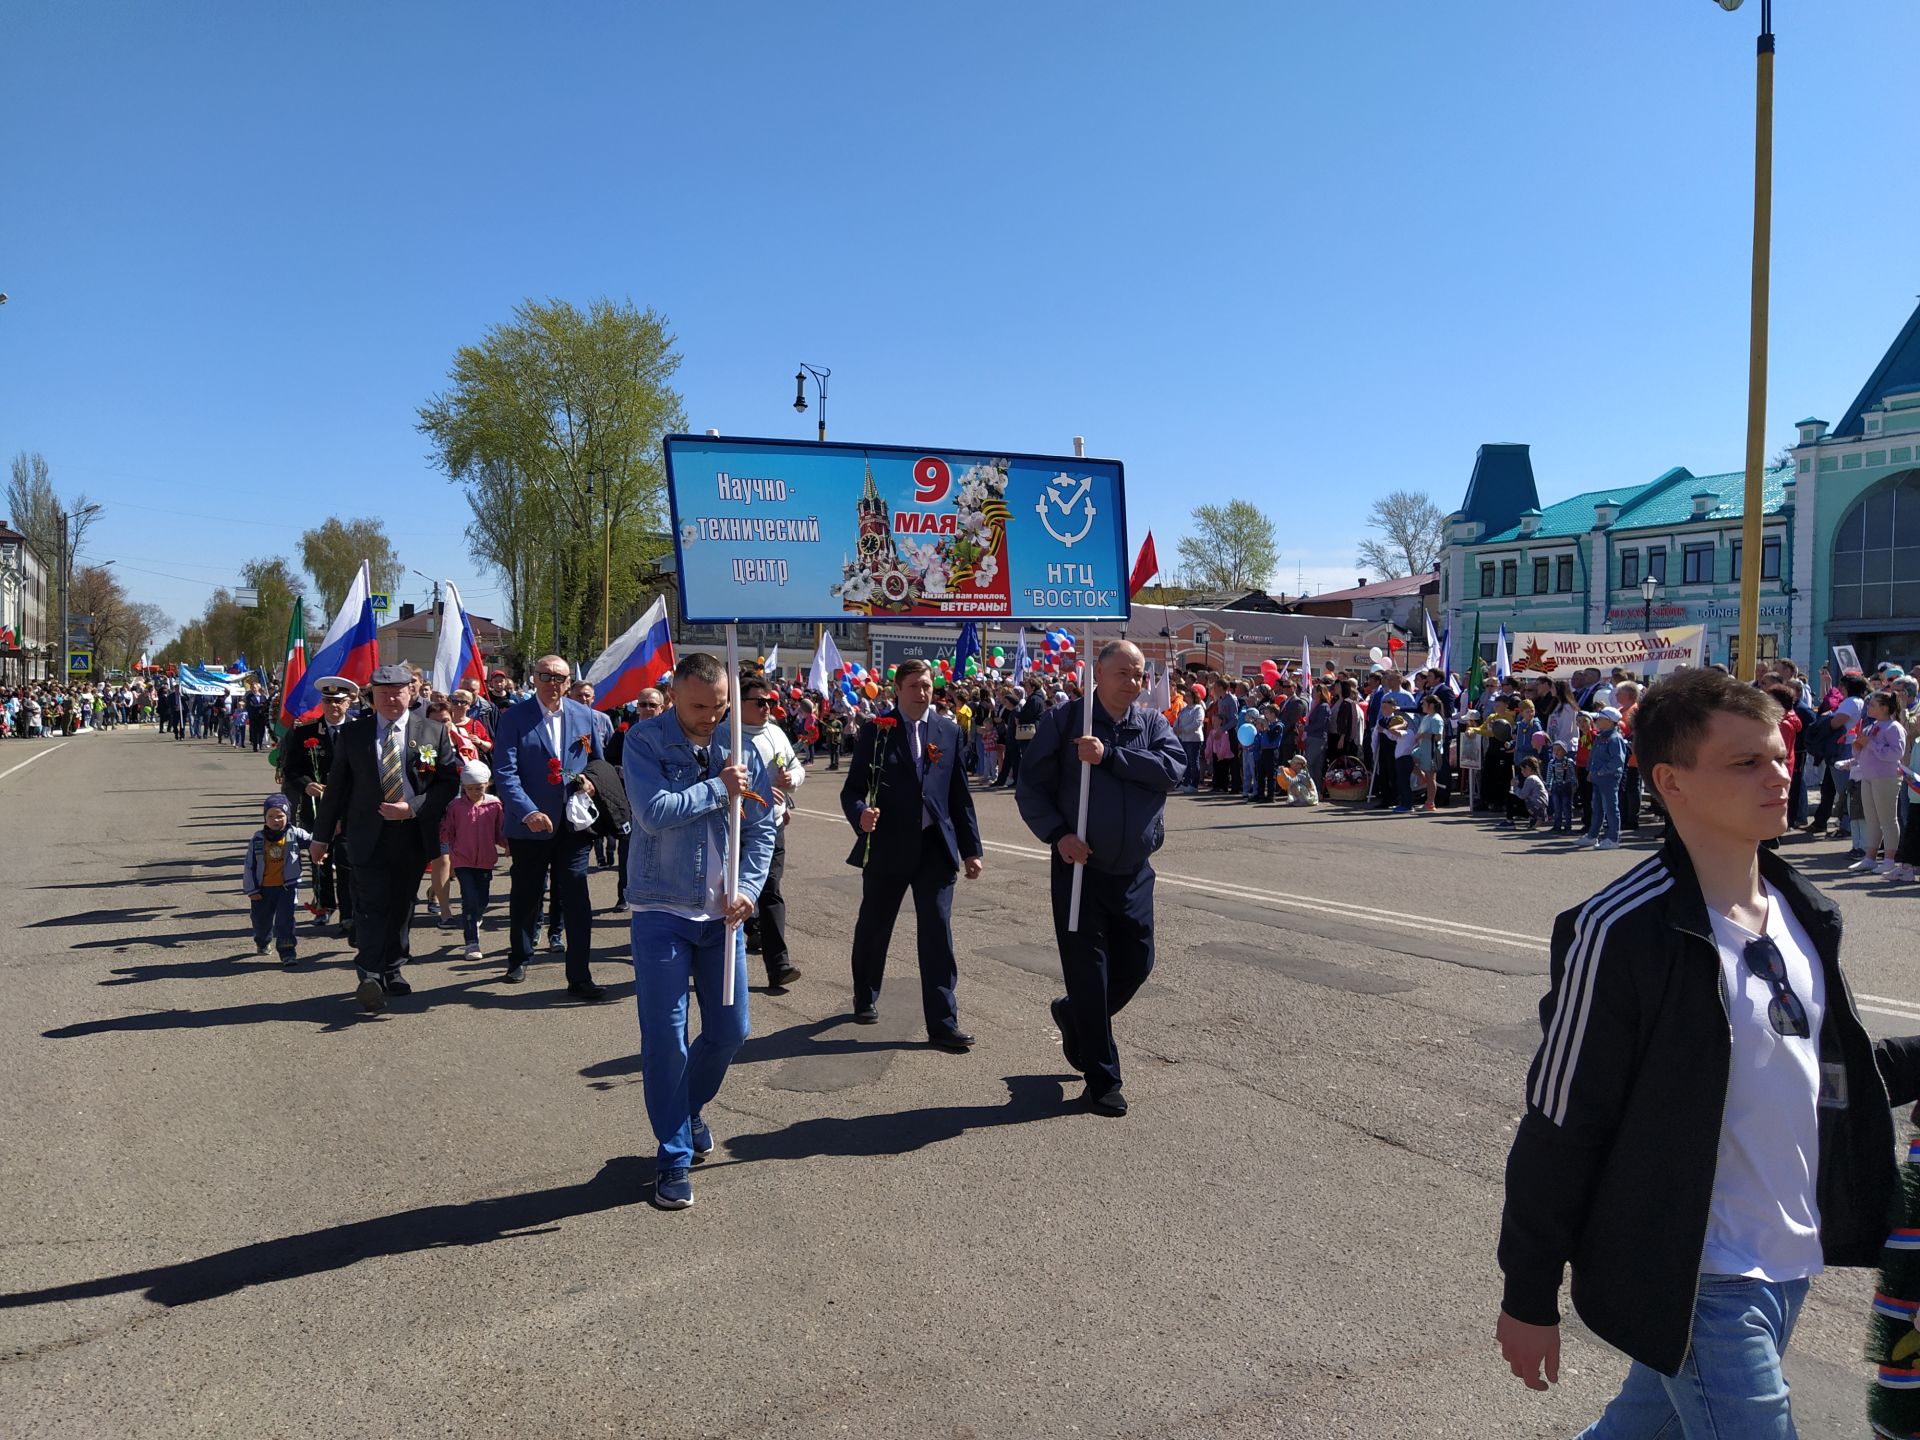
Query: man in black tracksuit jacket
{"x": 1613, "y": 1169}
{"x": 1135, "y": 762}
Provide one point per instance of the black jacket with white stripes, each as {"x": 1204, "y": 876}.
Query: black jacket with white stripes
{"x": 1612, "y": 1169}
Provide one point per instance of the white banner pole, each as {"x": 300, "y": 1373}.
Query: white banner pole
{"x": 1086, "y": 785}
{"x": 734, "y": 808}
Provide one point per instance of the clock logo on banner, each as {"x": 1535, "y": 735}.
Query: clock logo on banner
{"x": 1062, "y": 500}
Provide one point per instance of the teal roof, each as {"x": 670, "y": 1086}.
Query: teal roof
{"x": 1664, "y": 502}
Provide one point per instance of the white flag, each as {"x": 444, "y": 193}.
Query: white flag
{"x": 773, "y": 661}
{"x": 1306, "y": 660}
{"x": 826, "y": 665}
{"x": 1502, "y": 664}
{"x": 1433, "y": 641}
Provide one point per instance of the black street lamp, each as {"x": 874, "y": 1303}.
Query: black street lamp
{"x": 819, "y": 384}
{"x": 1649, "y": 587}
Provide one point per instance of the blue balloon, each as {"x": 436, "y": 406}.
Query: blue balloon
{"x": 1247, "y": 733}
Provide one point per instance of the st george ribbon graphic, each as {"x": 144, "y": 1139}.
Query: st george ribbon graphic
{"x": 788, "y": 530}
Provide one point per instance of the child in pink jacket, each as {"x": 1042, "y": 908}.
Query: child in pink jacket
{"x": 473, "y": 833}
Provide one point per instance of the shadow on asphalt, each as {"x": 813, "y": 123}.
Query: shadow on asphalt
{"x": 1029, "y": 1098}
{"x": 127, "y": 915}
{"x": 620, "y": 1181}
{"x": 333, "y": 1013}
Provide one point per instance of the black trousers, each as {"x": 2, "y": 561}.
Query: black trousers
{"x": 333, "y": 883}
{"x": 1630, "y": 798}
{"x": 881, "y": 893}
{"x": 564, "y": 857}
{"x": 1105, "y": 961}
{"x": 768, "y": 927}
{"x": 385, "y": 889}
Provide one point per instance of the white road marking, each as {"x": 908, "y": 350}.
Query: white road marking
{"x": 31, "y": 758}
{"x": 1339, "y": 909}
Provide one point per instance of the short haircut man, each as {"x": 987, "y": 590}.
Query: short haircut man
{"x": 1707, "y": 1120}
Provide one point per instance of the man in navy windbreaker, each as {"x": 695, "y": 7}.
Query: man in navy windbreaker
{"x": 1135, "y": 762}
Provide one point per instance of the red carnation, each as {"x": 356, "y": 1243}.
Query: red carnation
{"x": 885, "y": 722}
{"x": 313, "y": 742}
{"x": 554, "y": 773}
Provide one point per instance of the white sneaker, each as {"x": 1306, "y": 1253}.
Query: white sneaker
{"x": 1608, "y": 845}
{"x": 473, "y": 952}
{"x": 1861, "y": 865}
{"x": 1587, "y": 842}
{"x": 1902, "y": 873}
{"x": 1886, "y": 867}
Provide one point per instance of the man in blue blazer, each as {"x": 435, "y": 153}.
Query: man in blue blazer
{"x": 539, "y": 753}
{"x": 907, "y": 798}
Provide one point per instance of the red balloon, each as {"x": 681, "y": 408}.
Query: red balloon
{"x": 1200, "y": 692}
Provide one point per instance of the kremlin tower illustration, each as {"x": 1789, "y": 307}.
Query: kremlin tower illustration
{"x": 876, "y": 577}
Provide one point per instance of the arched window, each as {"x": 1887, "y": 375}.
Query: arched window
{"x": 1876, "y": 554}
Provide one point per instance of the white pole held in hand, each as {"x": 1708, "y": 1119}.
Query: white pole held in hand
{"x": 735, "y": 806}
{"x": 1086, "y": 785}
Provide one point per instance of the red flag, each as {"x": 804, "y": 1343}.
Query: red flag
{"x": 1145, "y": 567}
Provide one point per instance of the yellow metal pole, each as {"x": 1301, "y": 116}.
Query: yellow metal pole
{"x": 606, "y": 562}
{"x": 1750, "y": 530}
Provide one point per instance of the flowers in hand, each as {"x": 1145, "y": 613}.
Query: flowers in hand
{"x": 884, "y": 722}
{"x": 555, "y": 772}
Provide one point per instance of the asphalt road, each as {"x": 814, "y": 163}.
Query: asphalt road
{"x": 237, "y": 1207}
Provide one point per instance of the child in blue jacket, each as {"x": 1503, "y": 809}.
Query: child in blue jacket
{"x": 1560, "y": 787}
{"x": 1606, "y": 766}
{"x": 271, "y": 878}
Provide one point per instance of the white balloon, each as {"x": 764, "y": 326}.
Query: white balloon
{"x": 1375, "y": 655}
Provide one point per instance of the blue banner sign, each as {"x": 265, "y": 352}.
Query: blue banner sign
{"x": 791, "y": 530}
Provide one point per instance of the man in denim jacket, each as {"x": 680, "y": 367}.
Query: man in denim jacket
{"x": 681, "y": 780}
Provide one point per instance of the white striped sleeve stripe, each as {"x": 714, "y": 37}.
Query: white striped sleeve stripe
{"x": 1560, "y": 1047}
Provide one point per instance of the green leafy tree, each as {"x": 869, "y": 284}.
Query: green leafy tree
{"x": 1232, "y": 548}
{"x": 332, "y": 553}
{"x": 552, "y": 425}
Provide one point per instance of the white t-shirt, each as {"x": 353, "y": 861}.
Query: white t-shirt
{"x": 1764, "y": 1221}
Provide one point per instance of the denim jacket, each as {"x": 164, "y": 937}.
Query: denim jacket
{"x": 290, "y": 859}
{"x": 672, "y": 808}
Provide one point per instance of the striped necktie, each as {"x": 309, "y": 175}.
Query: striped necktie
{"x": 390, "y": 784}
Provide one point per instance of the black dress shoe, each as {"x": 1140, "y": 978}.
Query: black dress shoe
{"x": 868, "y": 1016}
{"x": 957, "y": 1042}
{"x": 1112, "y": 1103}
{"x": 372, "y": 995}
{"x": 588, "y": 991}
{"x": 1069, "y": 1037}
{"x": 396, "y": 986}
{"x": 784, "y": 976}
{"x": 515, "y": 974}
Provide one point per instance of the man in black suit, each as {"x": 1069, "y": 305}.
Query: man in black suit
{"x": 306, "y": 760}
{"x": 394, "y": 773}
{"x": 914, "y": 829}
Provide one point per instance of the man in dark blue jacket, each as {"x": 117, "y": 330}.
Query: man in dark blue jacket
{"x": 1135, "y": 763}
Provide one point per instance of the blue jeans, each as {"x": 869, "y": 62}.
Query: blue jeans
{"x": 273, "y": 915}
{"x": 476, "y": 889}
{"x": 1560, "y": 806}
{"x": 679, "y": 1079}
{"x": 1605, "y": 824}
{"x": 1192, "y": 778}
{"x": 1729, "y": 1387}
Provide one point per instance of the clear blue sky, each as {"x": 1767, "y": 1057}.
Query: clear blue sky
{"x": 1299, "y": 253}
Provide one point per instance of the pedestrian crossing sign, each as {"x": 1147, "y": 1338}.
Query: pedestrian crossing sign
{"x": 79, "y": 662}
{"x": 380, "y": 600}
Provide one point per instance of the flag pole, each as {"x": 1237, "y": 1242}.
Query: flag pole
{"x": 1086, "y": 785}
{"x": 736, "y": 804}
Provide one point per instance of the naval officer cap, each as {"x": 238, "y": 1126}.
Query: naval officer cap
{"x": 392, "y": 675}
{"x": 333, "y": 687}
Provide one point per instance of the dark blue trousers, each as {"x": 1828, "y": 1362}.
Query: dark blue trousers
{"x": 881, "y": 894}
{"x": 273, "y": 913}
{"x": 1105, "y": 961}
{"x": 565, "y": 855}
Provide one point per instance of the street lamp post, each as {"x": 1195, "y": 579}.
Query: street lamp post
{"x": 1750, "y": 529}
{"x": 606, "y": 554}
{"x": 66, "y": 578}
{"x": 819, "y": 384}
{"x": 1649, "y": 588}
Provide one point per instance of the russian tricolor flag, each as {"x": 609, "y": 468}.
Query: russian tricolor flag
{"x": 351, "y": 649}
{"x": 456, "y": 659}
{"x": 640, "y": 658}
